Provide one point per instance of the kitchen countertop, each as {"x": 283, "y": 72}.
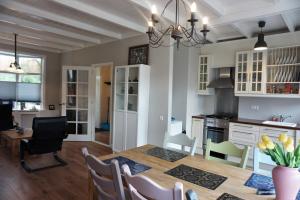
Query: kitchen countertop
{"x": 199, "y": 116}
{"x": 253, "y": 122}
{"x": 260, "y": 123}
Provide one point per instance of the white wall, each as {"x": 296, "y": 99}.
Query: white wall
{"x": 161, "y": 62}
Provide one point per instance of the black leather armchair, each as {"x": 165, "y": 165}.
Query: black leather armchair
{"x": 48, "y": 135}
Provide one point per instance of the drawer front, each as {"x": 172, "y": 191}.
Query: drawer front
{"x": 243, "y": 135}
{"x": 275, "y": 132}
{"x": 243, "y": 127}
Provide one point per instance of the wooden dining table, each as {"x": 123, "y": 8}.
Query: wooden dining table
{"x": 234, "y": 184}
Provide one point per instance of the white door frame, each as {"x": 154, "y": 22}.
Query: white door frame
{"x": 71, "y": 137}
{"x": 93, "y": 86}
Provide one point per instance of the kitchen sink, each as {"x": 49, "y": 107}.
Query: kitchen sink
{"x": 280, "y": 123}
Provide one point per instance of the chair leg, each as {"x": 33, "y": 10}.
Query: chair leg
{"x": 28, "y": 169}
{"x": 58, "y": 159}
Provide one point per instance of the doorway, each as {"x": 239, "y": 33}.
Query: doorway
{"x": 103, "y": 104}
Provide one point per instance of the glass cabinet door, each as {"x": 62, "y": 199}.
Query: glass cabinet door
{"x": 203, "y": 73}
{"x": 256, "y": 74}
{"x": 120, "y": 88}
{"x": 242, "y": 71}
{"x": 133, "y": 88}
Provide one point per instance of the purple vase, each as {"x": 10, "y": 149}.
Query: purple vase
{"x": 287, "y": 182}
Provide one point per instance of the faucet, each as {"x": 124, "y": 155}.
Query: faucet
{"x": 282, "y": 118}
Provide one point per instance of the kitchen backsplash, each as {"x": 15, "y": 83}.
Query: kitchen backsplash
{"x": 264, "y": 108}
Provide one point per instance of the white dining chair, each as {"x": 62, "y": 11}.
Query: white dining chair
{"x": 183, "y": 141}
{"x": 143, "y": 188}
{"x": 106, "y": 177}
{"x": 262, "y": 159}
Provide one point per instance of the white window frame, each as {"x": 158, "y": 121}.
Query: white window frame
{"x": 42, "y": 74}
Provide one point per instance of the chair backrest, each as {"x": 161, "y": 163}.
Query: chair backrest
{"x": 183, "y": 140}
{"x": 143, "y": 188}
{"x": 48, "y": 134}
{"x": 228, "y": 149}
{"x": 261, "y": 158}
{"x": 106, "y": 177}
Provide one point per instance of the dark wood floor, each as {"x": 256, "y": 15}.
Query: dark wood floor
{"x": 102, "y": 136}
{"x": 61, "y": 183}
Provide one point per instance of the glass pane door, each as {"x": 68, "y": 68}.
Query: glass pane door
{"x": 120, "y": 88}
{"x": 256, "y": 72}
{"x": 133, "y": 87}
{"x": 76, "y": 102}
{"x": 203, "y": 69}
{"x": 242, "y": 72}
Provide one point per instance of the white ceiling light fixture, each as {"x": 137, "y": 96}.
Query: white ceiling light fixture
{"x": 187, "y": 36}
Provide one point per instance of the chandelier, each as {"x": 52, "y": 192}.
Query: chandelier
{"x": 185, "y": 35}
{"x": 15, "y": 67}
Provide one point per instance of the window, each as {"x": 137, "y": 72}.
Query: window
{"x": 23, "y": 90}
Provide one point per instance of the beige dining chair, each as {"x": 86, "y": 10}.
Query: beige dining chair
{"x": 229, "y": 149}
{"x": 183, "y": 140}
{"x": 106, "y": 177}
{"x": 143, "y": 188}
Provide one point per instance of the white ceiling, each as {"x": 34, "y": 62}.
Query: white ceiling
{"x": 65, "y": 25}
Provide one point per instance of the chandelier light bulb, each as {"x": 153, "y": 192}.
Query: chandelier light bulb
{"x": 150, "y": 23}
{"x": 153, "y": 9}
{"x": 205, "y": 20}
{"x": 193, "y": 7}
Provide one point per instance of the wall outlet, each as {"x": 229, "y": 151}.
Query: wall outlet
{"x": 161, "y": 118}
{"x": 255, "y": 107}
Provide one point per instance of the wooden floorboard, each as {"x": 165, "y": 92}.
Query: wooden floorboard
{"x": 61, "y": 183}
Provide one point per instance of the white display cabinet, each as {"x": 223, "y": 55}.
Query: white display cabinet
{"x": 131, "y": 106}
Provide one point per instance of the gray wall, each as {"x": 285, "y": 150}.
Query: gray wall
{"x": 224, "y": 55}
{"x": 52, "y": 73}
{"x": 161, "y": 62}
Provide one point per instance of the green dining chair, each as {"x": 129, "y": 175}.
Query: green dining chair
{"x": 228, "y": 149}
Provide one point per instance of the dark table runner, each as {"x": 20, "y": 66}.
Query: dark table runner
{"x": 165, "y": 154}
{"x": 227, "y": 196}
{"x": 197, "y": 176}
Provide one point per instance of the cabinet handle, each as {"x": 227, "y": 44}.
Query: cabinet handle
{"x": 243, "y": 132}
{"x": 269, "y": 129}
{"x": 243, "y": 126}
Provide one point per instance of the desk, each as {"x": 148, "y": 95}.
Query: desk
{"x": 234, "y": 185}
{"x": 12, "y": 139}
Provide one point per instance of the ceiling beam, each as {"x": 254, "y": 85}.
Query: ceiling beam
{"x": 46, "y": 28}
{"x": 10, "y": 42}
{"x": 167, "y": 15}
{"x": 243, "y": 29}
{"x": 101, "y": 14}
{"x": 218, "y": 9}
{"x": 243, "y": 15}
{"x": 9, "y": 29}
{"x": 13, "y": 5}
{"x": 288, "y": 21}
{"x": 27, "y": 40}
{"x": 215, "y": 6}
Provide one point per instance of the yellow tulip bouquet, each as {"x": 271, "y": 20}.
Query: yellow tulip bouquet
{"x": 282, "y": 153}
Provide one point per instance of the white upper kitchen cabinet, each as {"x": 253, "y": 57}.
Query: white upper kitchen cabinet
{"x": 205, "y": 75}
{"x": 250, "y": 72}
{"x": 131, "y": 106}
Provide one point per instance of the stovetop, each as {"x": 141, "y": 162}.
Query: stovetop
{"x": 224, "y": 116}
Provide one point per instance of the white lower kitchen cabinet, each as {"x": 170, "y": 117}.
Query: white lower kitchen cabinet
{"x": 197, "y": 131}
{"x": 247, "y": 134}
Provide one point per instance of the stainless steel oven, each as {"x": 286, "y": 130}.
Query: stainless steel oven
{"x": 217, "y": 129}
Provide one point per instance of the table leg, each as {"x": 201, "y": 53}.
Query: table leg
{"x": 14, "y": 147}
